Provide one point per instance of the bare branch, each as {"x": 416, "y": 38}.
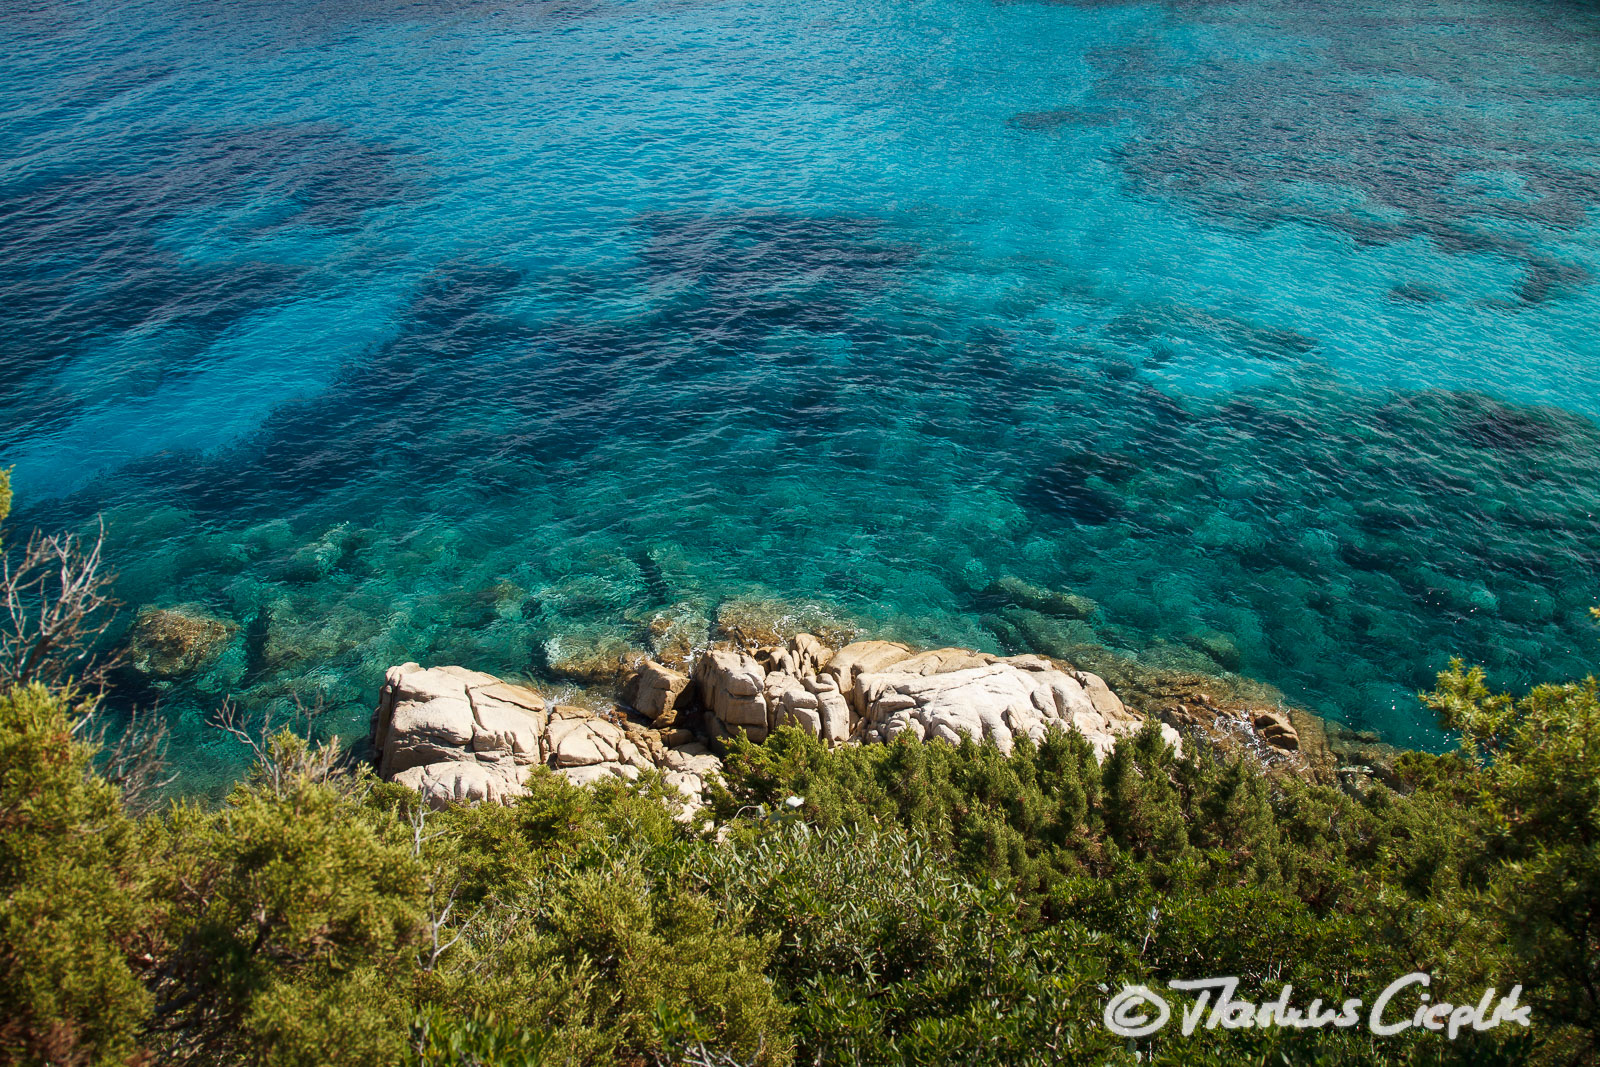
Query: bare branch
{"x": 286, "y": 754}
{"x": 229, "y": 719}
{"x": 136, "y": 763}
{"x": 419, "y": 836}
{"x": 55, "y": 606}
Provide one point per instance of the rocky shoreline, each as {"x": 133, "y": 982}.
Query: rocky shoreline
{"x": 461, "y": 735}
{"x": 607, "y": 706}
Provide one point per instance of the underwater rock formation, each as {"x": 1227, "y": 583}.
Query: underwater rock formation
{"x": 590, "y": 659}
{"x": 170, "y": 642}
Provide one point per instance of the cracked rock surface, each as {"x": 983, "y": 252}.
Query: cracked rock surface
{"x": 459, "y": 735}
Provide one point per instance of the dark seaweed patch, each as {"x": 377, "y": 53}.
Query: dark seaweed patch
{"x": 1067, "y": 489}
{"x": 1506, "y": 428}
{"x": 82, "y": 262}
{"x": 1249, "y": 133}
{"x": 553, "y": 391}
{"x": 1415, "y": 293}
{"x": 1179, "y": 322}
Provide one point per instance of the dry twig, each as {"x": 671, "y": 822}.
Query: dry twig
{"x": 136, "y": 763}
{"x": 55, "y": 607}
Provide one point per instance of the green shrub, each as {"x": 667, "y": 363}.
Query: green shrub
{"x": 587, "y": 930}
{"x": 72, "y": 902}
{"x": 288, "y": 910}
{"x": 1535, "y": 785}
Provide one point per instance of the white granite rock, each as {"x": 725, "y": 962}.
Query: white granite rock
{"x": 732, "y": 686}
{"x": 998, "y": 700}
{"x": 862, "y": 657}
{"x": 461, "y": 736}
{"x": 810, "y": 702}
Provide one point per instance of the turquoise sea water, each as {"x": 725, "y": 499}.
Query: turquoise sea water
{"x": 457, "y": 331}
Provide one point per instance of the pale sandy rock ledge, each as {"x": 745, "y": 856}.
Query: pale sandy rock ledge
{"x": 873, "y": 691}
{"x": 460, "y": 735}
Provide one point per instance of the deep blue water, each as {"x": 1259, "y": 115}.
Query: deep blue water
{"x": 457, "y": 331}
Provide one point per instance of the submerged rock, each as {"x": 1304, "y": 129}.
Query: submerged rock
{"x": 320, "y": 558}
{"x": 1023, "y": 594}
{"x": 170, "y": 642}
{"x": 591, "y": 659}
{"x": 757, "y": 623}
{"x": 1219, "y": 646}
{"x": 678, "y": 634}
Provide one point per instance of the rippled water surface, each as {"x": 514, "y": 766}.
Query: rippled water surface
{"x": 474, "y": 332}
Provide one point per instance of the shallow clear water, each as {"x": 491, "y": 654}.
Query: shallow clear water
{"x": 454, "y": 331}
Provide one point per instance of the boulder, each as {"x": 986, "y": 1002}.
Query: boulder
{"x": 655, "y": 690}
{"x": 732, "y": 687}
{"x": 862, "y": 657}
{"x": 943, "y": 661}
{"x": 689, "y": 769}
{"x": 1104, "y": 700}
{"x": 459, "y": 736}
{"x": 424, "y": 716}
{"x": 430, "y": 722}
{"x": 443, "y": 784}
{"x": 1275, "y": 730}
{"x": 676, "y": 737}
{"x": 997, "y": 701}
{"x": 648, "y": 741}
{"x": 810, "y": 702}
{"x": 693, "y": 759}
{"x": 802, "y": 654}
{"x": 692, "y": 787}
{"x": 599, "y": 772}
{"x": 171, "y": 642}
{"x": 791, "y": 703}
{"x": 506, "y": 722}
{"x": 583, "y": 742}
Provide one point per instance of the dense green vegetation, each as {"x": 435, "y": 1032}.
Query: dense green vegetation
{"x": 922, "y": 904}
